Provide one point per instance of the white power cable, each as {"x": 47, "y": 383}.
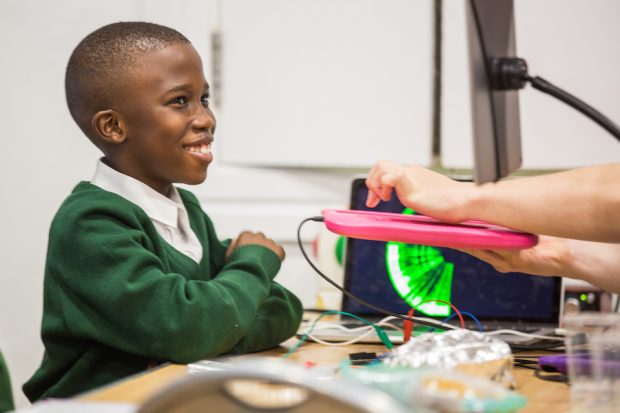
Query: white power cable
{"x": 365, "y": 331}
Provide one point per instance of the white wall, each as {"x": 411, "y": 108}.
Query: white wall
{"x": 572, "y": 44}
{"x": 325, "y": 83}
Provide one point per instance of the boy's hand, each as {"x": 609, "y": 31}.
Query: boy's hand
{"x": 256, "y": 238}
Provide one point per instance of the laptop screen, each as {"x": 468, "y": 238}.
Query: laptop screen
{"x": 397, "y": 276}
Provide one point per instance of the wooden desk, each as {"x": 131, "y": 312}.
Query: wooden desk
{"x": 543, "y": 396}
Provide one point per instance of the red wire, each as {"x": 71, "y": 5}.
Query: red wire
{"x": 408, "y": 325}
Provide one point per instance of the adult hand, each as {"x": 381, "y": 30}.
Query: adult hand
{"x": 549, "y": 257}
{"x": 597, "y": 263}
{"x": 255, "y": 238}
{"x": 421, "y": 189}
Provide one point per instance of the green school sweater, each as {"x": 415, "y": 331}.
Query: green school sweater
{"x": 6, "y": 394}
{"x": 118, "y": 297}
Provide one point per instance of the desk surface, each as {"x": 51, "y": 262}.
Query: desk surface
{"x": 543, "y": 396}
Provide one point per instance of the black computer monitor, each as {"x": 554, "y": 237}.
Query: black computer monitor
{"x": 495, "y": 113}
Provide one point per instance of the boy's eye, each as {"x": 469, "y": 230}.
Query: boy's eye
{"x": 204, "y": 99}
{"x": 179, "y": 100}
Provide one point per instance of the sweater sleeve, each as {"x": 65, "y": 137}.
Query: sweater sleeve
{"x": 277, "y": 320}
{"x": 107, "y": 281}
{"x": 280, "y": 314}
{"x": 6, "y": 395}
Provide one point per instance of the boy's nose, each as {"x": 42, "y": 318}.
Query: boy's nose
{"x": 203, "y": 118}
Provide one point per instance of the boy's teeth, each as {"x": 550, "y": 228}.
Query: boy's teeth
{"x": 200, "y": 149}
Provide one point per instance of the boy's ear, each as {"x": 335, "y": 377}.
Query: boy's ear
{"x": 109, "y": 125}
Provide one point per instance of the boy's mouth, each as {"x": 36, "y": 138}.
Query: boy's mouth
{"x": 201, "y": 150}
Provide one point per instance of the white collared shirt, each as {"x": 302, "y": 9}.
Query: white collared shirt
{"x": 167, "y": 213}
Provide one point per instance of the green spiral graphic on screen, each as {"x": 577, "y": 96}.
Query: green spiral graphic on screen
{"x": 420, "y": 273}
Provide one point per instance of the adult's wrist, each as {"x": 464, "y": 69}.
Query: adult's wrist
{"x": 577, "y": 264}
{"x": 469, "y": 202}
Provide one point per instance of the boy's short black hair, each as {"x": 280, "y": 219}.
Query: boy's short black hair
{"x": 98, "y": 63}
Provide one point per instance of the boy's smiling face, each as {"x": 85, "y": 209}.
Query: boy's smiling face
{"x": 167, "y": 126}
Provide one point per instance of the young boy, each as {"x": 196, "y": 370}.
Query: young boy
{"x": 135, "y": 274}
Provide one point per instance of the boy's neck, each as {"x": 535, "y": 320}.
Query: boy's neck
{"x": 110, "y": 163}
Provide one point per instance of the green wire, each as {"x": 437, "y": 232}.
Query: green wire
{"x": 380, "y": 332}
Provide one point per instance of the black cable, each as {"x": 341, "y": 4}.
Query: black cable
{"x": 437, "y": 46}
{"x": 353, "y": 297}
{"x": 511, "y": 73}
{"x": 540, "y": 372}
{"x": 551, "y": 376}
{"x": 525, "y": 363}
{"x": 541, "y": 84}
{"x": 543, "y": 345}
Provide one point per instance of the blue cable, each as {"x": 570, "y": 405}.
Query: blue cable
{"x": 470, "y": 315}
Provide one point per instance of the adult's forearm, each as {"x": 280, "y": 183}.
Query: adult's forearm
{"x": 594, "y": 262}
{"x": 581, "y": 203}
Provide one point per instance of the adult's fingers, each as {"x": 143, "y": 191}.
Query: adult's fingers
{"x": 372, "y": 200}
